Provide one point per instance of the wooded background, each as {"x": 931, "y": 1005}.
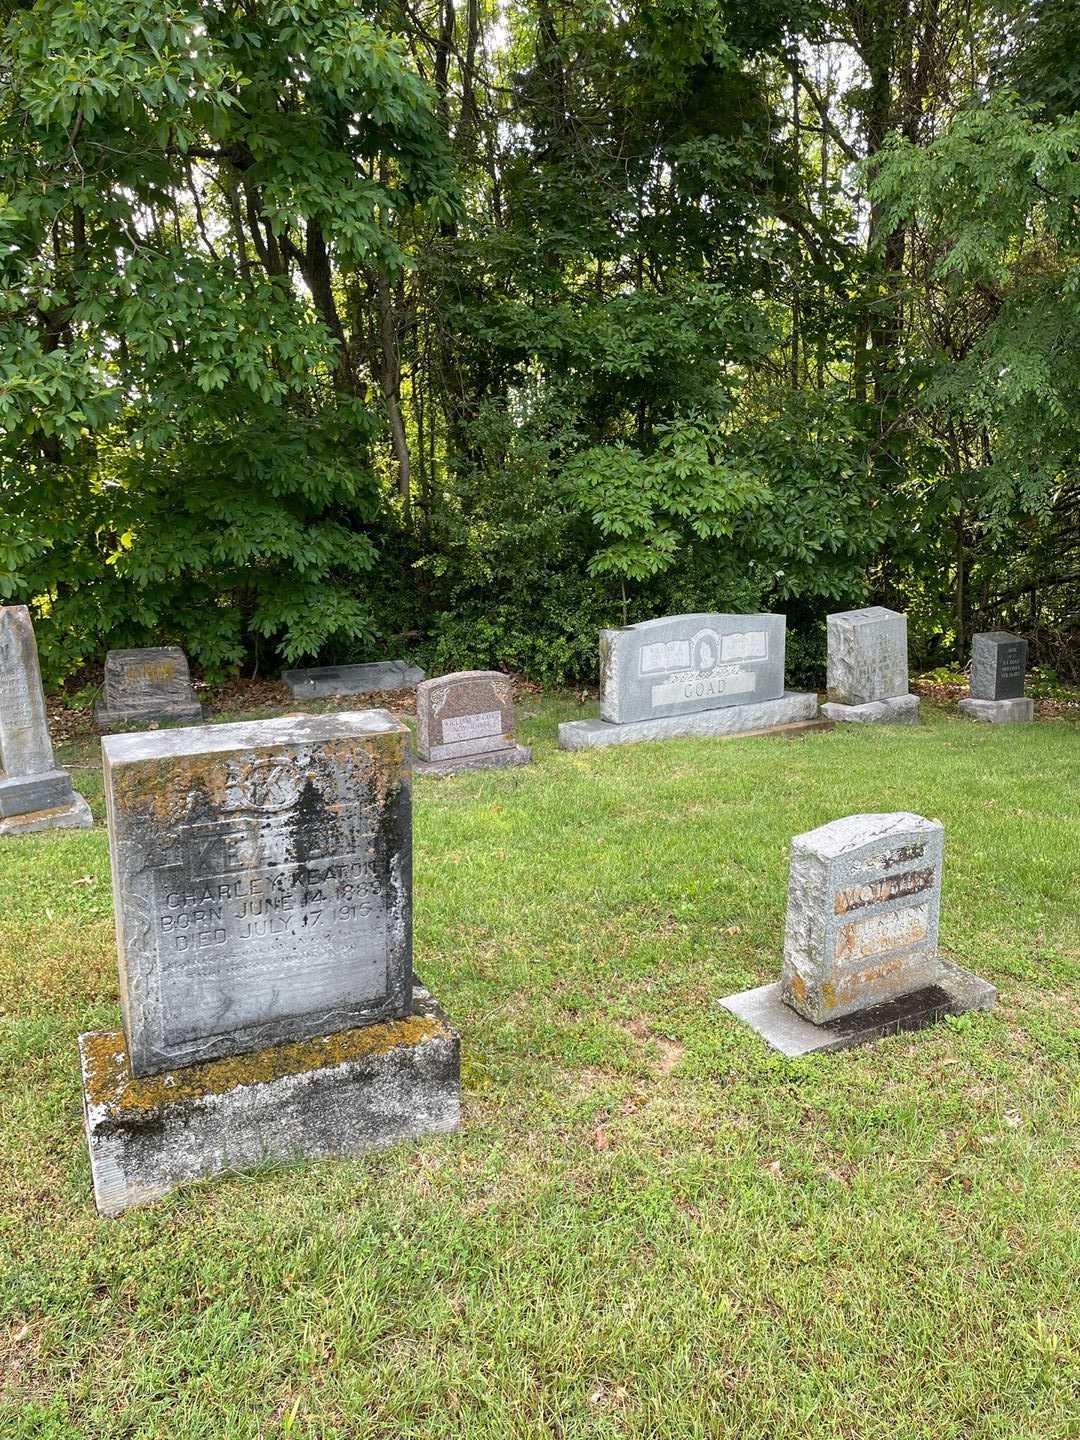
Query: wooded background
{"x": 460, "y": 329}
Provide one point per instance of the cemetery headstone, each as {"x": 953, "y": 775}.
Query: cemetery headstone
{"x": 465, "y": 721}
{"x": 321, "y": 681}
{"x": 35, "y": 794}
{"x": 861, "y": 952}
{"x": 146, "y": 687}
{"x": 998, "y": 667}
{"x": 868, "y": 668}
{"x": 703, "y": 674}
{"x": 262, "y": 883}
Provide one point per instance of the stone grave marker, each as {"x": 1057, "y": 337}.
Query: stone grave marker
{"x": 861, "y": 941}
{"x": 146, "y": 687}
{"x": 868, "y": 668}
{"x": 702, "y": 674}
{"x": 998, "y": 667}
{"x": 465, "y": 721}
{"x": 34, "y": 793}
{"x": 262, "y": 884}
{"x": 320, "y": 681}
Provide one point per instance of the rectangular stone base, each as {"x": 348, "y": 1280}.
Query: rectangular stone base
{"x": 1000, "y": 712}
{"x": 342, "y": 1094}
{"x": 489, "y": 760}
{"x": 73, "y": 816}
{"x": 793, "y": 712}
{"x": 898, "y": 710}
{"x": 320, "y": 681}
{"x": 107, "y": 720}
{"x": 954, "y": 992}
{"x": 22, "y": 794}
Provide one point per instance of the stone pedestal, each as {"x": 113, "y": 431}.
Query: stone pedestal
{"x": 491, "y": 760}
{"x": 323, "y": 681}
{"x": 338, "y": 1095}
{"x": 793, "y": 713}
{"x": 1000, "y": 712}
{"x": 897, "y": 710}
{"x": 147, "y": 687}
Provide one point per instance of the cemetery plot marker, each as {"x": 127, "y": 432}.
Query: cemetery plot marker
{"x": 868, "y": 668}
{"x": 861, "y": 941}
{"x": 318, "y": 682}
{"x": 34, "y": 793}
{"x": 145, "y": 687}
{"x": 465, "y": 721}
{"x": 998, "y": 666}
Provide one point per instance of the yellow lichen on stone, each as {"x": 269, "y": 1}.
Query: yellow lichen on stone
{"x": 109, "y": 1081}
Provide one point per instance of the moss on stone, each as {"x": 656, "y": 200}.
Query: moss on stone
{"x": 109, "y": 1081}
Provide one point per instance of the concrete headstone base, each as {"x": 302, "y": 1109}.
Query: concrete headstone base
{"x": 74, "y": 815}
{"x": 953, "y": 992}
{"x": 490, "y": 760}
{"x": 320, "y": 681}
{"x": 111, "y": 720}
{"x": 342, "y": 1094}
{"x": 1000, "y": 712}
{"x": 899, "y": 710}
{"x": 794, "y": 711}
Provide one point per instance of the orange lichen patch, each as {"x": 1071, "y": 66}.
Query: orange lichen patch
{"x": 797, "y": 985}
{"x": 162, "y": 785}
{"x": 109, "y": 1080}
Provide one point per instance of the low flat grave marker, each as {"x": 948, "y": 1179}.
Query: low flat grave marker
{"x": 322, "y": 681}
{"x": 465, "y": 721}
{"x": 146, "y": 687}
{"x": 262, "y": 882}
{"x": 35, "y": 794}
{"x": 682, "y": 675}
{"x": 861, "y": 940}
{"x": 998, "y": 667}
{"x": 868, "y": 668}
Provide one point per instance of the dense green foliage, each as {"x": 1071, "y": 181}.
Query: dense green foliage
{"x": 336, "y": 329}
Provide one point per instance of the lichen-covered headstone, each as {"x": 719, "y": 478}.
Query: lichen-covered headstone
{"x": 145, "y": 687}
{"x": 34, "y": 793}
{"x": 465, "y": 721}
{"x": 868, "y": 667}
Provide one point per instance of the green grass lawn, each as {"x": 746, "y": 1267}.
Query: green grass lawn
{"x": 649, "y": 1224}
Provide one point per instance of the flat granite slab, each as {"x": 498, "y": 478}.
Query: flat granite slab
{"x": 490, "y": 760}
{"x": 324, "y": 680}
{"x": 794, "y": 711}
{"x": 954, "y": 992}
{"x": 897, "y": 710}
{"x": 341, "y": 1094}
{"x": 75, "y": 815}
{"x": 1000, "y": 712}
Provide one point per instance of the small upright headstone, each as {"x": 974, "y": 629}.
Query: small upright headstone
{"x": 146, "y": 687}
{"x": 34, "y": 793}
{"x": 998, "y": 667}
{"x": 861, "y": 940}
{"x": 702, "y": 674}
{"x": 465, "y": 721}
{"x": 868, "y": 668}
{"x": 262, "y": 884}
{"x": 319, "y": 682}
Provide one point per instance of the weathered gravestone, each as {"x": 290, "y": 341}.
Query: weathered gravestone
{"x": 707, "y": 674}
{"x": 34, "y": 793}
{"x": 868, "y": 668}
{"x": 145, "y": 687}
{"x": 861, "y": 941}
{"x": 262, "y": 886}
{"x": 998, "y": 666}
{"x": 465, "y": 721}
{"x": 321, "y": 681}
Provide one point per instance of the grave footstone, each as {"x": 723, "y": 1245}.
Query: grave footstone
{"x": 998, "y": 667}
{"x": 147, "y": 687}
{"x": 868, "y": 668}
{"x": 683, "y": 675}
{"x": 465, "y": 721}
{"x": 861, "y": 952}
{"x": 262, "y": 887}
{"x": 322, "y": 681}
{"x": 35, "y": 794}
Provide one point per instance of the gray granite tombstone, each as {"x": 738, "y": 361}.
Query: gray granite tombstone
{"x": 262, "y": 884}
{"x": 861, "y": 940}
{"x": 35, "y": 794}
{"x": 998, "y": 666}
{"x": 702, "y": 674}
{"x": 322, "y": 681}
{"x": 147, "y": 687}
{"x": 465, "y": 721}
{"x": 868, "y": 668}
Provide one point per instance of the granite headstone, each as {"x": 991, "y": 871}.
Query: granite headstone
{"x": 146, "y": 687}
{"x": 319, "y": 682}
{"x": 998, "y": 665}
{"x": 466, "y": 721}
{"x": 868, "y": 668}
